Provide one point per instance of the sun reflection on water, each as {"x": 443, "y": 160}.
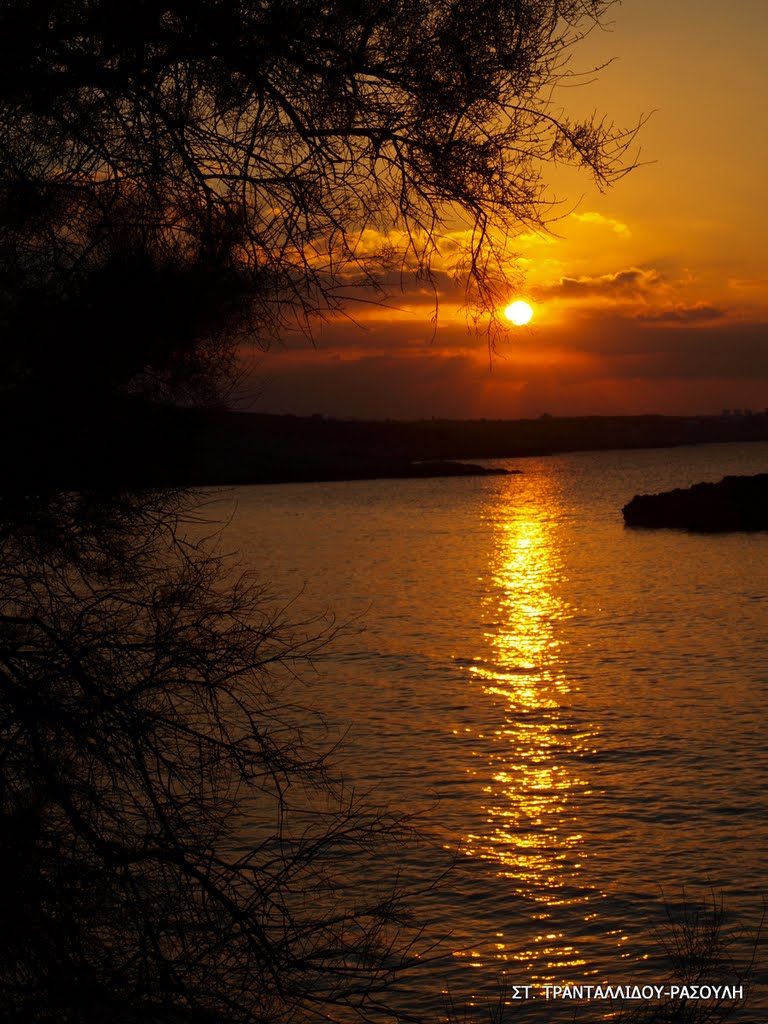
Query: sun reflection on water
{"x": 529, "y": 768}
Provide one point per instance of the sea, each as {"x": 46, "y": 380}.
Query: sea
{"x": 570, "y": 713}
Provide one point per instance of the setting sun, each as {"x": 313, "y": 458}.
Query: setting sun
{"x": 519, "y": 313}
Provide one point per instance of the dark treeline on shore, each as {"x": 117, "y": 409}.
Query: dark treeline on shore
{"x": 146, "y": 444}
{"x": 251, "y": 448}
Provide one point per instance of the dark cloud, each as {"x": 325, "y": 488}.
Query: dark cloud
{"x": 409, "y": 387}
{"x": 683, "y": 315}
{"x": 632, "y": 347}
{"x": 398, "y": 287}
{"x": 366, "y": 329}
{"x": 625, "y": 283}
{"x": 724, "y": 351}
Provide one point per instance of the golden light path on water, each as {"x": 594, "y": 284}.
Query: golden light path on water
{"x": 529, "y": 769}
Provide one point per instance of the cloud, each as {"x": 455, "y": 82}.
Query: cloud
{"x": 591, "y": 217}
{"x": 386, "y": 331}
{"x": 683, "y": 314}
{"x": 637, "y": 348}
{"x": 748, "y": 283}
{"x": 420, "y": 286}
{"x": 633, "y": 282}
{"x": 374, "y": 386}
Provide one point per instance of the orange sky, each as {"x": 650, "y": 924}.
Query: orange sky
{"x": 652, "y": 297}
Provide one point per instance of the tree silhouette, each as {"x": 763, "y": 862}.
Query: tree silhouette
{"x": 234, "y": 167}
{"x": 175, "y": 177}
{"x": 170, "y": 840}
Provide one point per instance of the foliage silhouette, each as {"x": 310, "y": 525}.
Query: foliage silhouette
{"x": 178, "y": 850}
{"x": 702, "y": 949}
{"x": 174, "y": 178}
{"x": 238, "y": 167}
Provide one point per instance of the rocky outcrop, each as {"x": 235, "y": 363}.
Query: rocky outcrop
{"x": 735, "y": 503}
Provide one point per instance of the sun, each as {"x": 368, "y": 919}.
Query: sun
{"x": 519, "y": 313}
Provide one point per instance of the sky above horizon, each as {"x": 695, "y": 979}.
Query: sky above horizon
{"x": 651, "y": 297}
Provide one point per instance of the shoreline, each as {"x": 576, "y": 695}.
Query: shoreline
{"x": 128, "y": 444}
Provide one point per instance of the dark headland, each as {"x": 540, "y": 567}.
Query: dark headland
{"x": 129, "y": 444}
{"x": 735, "y": 503}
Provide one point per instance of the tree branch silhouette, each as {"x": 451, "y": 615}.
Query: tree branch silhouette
{"x": 177, "y": 179}
{"x": 172, "y": 834}
{"x": 230, "y": 166}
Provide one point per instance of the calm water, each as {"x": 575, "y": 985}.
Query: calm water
{"x": 574, "y": 710}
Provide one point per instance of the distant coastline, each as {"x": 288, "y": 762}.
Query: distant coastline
{"x": 246, "y": 448}
{"x": 132, "y": 444}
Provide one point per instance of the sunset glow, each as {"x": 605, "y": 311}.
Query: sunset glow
{"x": 655, "y": 291}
